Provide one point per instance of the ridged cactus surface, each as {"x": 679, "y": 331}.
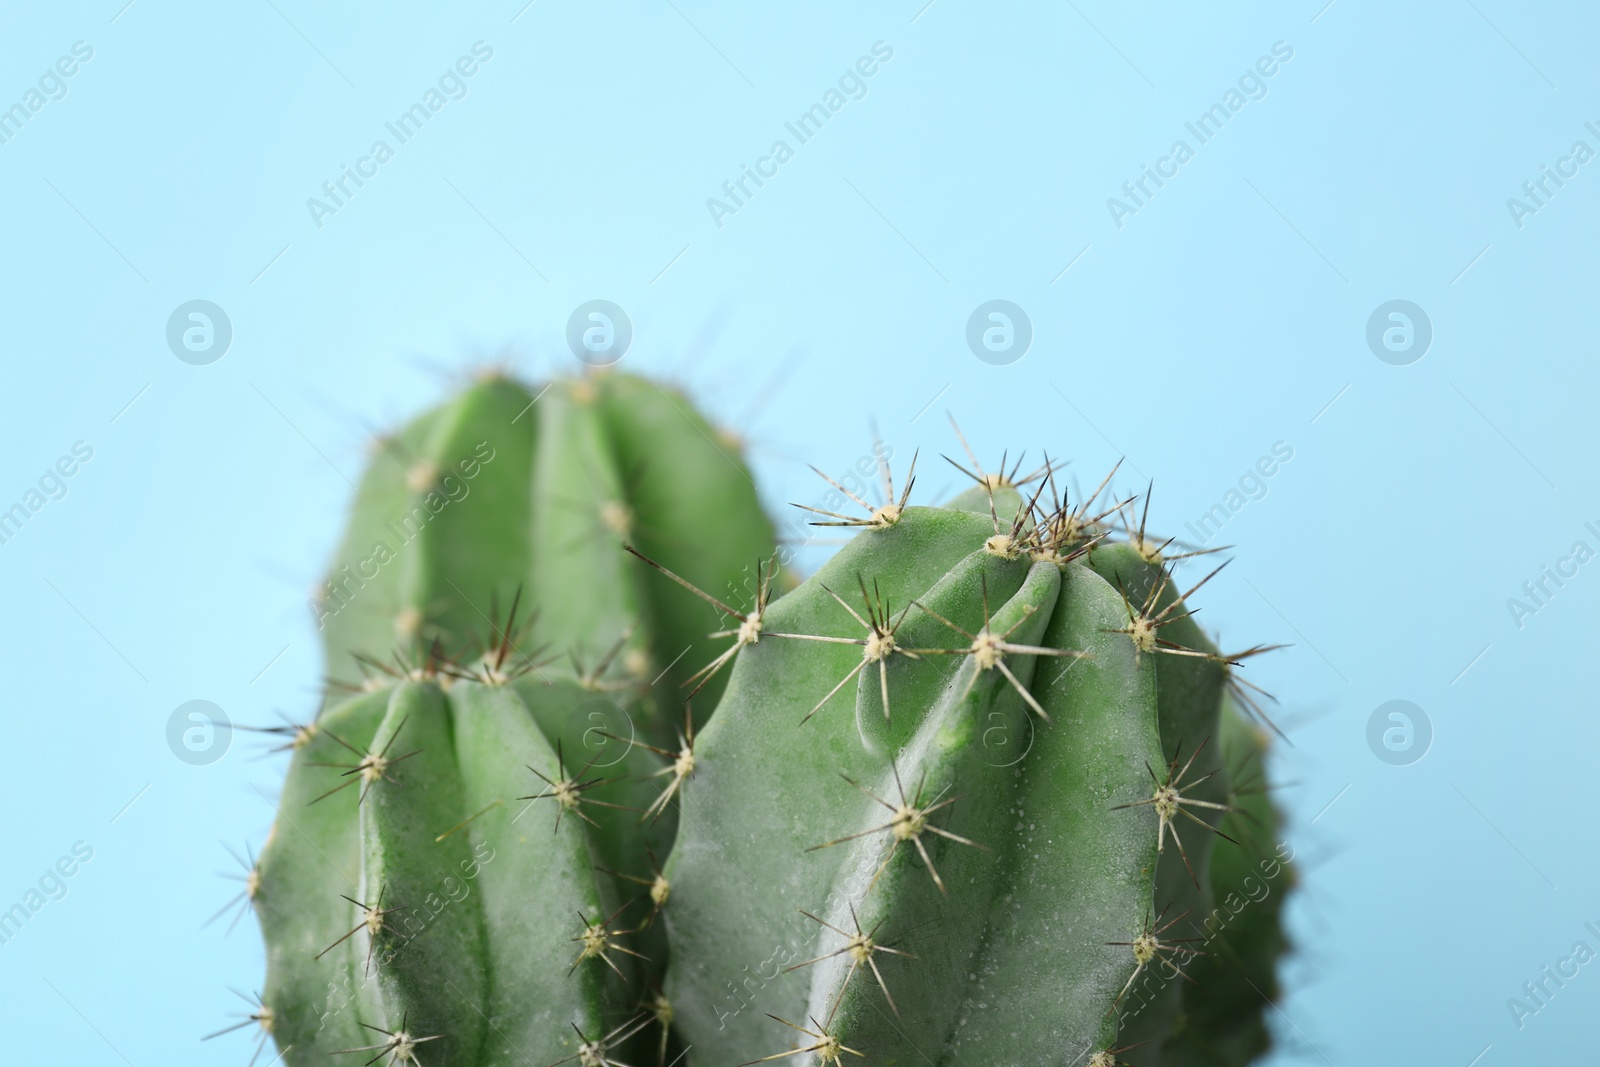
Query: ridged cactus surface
{"x": 995, "y": 866}
{"x": 976, "y": 792}
{"x": 453, "y": 887}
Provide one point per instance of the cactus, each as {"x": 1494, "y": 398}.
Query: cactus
{"x": 411, "y": 874}
{"x": 957, "y": 802}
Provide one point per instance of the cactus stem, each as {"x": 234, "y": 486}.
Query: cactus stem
{"x": 877, "y": 647}
{"x": 988, "y": 651}
{"x": 828, "y": 1048}
{"x": 568, "y": 792}
{"x": 910, "y": 820}
{"x": 860, "y": 947}
{"x": 599, "y": 939}
{"x": 401, "y": 1048}
{"x": 1169, "y": 802}
{"x": 261, "y": 1016}
{"x": 1147, "y": 947}
{"x": 597, "y": 1053}
{"x": 373, "y": 921}
{"x": 371, "y": 767}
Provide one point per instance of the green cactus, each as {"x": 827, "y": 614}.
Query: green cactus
{"x": 992, "y": 846}
{"x": 411, "y": 874}
{"x": 957, "y": 802}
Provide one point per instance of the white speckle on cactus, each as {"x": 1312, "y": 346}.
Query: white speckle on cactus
{"x": 616, "y": 517}
{"x": 987, "y": 650}
{"x": 1143, "y": 632}
{"x": 401, "y": 1046}
{"x": 637, "y": 663}
{"x": 372, "y": 767}
{"x": 421, "y": 476}
{"x": 407, "y": 621}
{"x": 1004, "y": 546}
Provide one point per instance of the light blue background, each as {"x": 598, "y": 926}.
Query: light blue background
{"x": 1226, "y": 315}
